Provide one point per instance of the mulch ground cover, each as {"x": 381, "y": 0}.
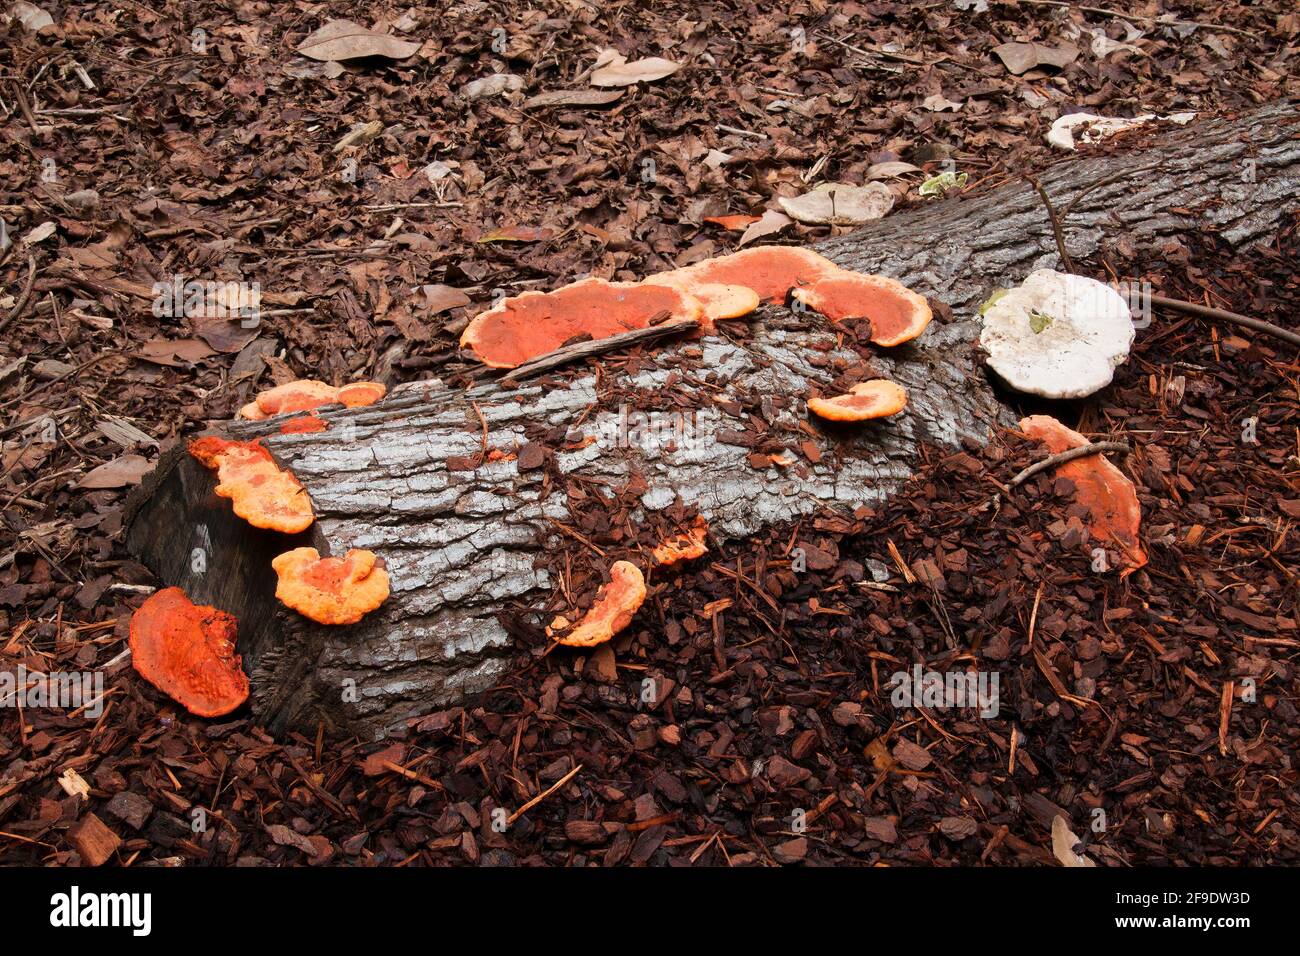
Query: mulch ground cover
{"x": 745, "y": 717}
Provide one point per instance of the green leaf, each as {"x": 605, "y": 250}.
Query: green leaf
{"x": 992, "y": 300}
{"x": 1038, "y": 321}
{"x": 938, "y": 185}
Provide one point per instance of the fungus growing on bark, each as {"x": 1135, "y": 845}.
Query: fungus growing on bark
{"x": 877, "y": 398}
{"x": 307, "y": 394}
{"x": 187, "y": 651}
{"x": 356, "y": 394}
{"x": 304, "y": 425}
{"x": 536, "y": 323}
{"x": 717, "y": 300}
{"x": 770, "y": 271}
{"x": 683, "y": 547}
{"x": 330, "y": 590}
{"x": 262, "y": 493}
{"x": 897, "y": 314}
{"x": 615, "y": 606}
{"x": 1057, "y": 335}
{"x": 1114, "y": 516}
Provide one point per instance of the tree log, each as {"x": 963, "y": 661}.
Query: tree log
{"x": 461, "y": 545}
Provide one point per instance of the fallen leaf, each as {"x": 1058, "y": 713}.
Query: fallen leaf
{"x": 31, "y": 16}
{"x": 345, "y": 40}
{"x": 890, "y": 170}
{"x": 440, "y": 298}
{"x": 493, "y": 85}
{"x": 174, "y": 353}
{"x": 40, "y": 233}
{"x": 617, "y": 71}
{"x": 118, "y": 473}
{"x": 938, "y": 102}
{"x": 770, "y": 223}
{"x": 731, "y": 222}
{"x": 573, "y": 98}
{"x": 841, "y": 204}
{"x": 1022, "y": 57}
{"x": 518, "y": 234}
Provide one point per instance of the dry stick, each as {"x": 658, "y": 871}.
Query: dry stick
{"x": 26, "y": 294}
{"x": 1061, "y": 457}
{"x": 543, "y": 795}
{"x": 1208, "y": 312}
{"x": 1057, "y": 231}
{"x": 581, "y": 350}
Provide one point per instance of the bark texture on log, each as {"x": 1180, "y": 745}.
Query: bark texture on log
{"x": 461, "y": 545}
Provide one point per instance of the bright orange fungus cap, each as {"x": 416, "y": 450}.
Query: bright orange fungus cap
{"x": 1114, "y": 516}
{"x": 330, "y": 590}
{"x": 187, "y": 651}
{"x": 615, "y": 606}
{"x": 897, "y": 313}
{"x": 260, "y": 491}
{"x": 536, "y": 323}
{"x": 877, "y": 398}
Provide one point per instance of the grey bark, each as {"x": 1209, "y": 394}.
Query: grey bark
{"x": 462, "y": 545}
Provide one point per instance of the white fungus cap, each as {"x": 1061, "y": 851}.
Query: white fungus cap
{"x": 1057, "y": 335}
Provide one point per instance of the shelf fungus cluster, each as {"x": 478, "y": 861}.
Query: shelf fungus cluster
{"x": 307, "y": 394}
{"x": 1110, "y": 499}
{"x": 187, "y": 651}
{"x": 1056, "y": 335}
{"x": 686, "y": 546}
{"x": 330, "y": 590}
{"x": 260, "y": 491}
{"x": 616, "y": 604}
{"x": 527, "y": 326}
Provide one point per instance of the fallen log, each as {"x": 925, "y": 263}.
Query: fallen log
{"x": 464, "y": 534}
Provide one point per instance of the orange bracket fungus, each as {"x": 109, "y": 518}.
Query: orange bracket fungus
{"x": 304, "y": 425}
{"x": 262, "y": 493}
{"x": 769, "y": 272}
{"x": 877, "y": 398}
{"x": 897, "y": 314}
{"x": 307, "y": 394}
{"x": 1113, "y": 513}
{"x": 615, "y": 606}
{"x": 536, "y": 323}
{"x": 187, "y": 651}
{"x": 683, "y": 547}
{"x": 330, "y": 590}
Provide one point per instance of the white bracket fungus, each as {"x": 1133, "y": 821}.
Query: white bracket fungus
{"x": 1056, "y": 335}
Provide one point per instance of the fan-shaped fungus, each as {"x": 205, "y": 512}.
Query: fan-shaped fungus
{"x": 187, "y": 651}
{"x": 683, "y": 547}
{"x": 897, "y": 313}
{"x": 770, "y": 271}
{"x": 877, "y": 398}
{"x": 1113, "y": 512}
{"x": 304, "y": 425}
{"x": 615, "y": 606}
{"x": 306, "y": 394}
{"x": 260, "y": 492}
{"x": 535, "y": 323}
{"x": 719, "y": 301}
{"x": 357, "y": 394}
{"x": 330, "y": 590}
{"x": 1056, "y": 334}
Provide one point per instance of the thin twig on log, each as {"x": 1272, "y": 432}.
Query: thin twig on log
{"x": 1061, "y": 457}
{"x": 24, "y": 297}
{"x": 1209, "y": 312}
{"x": 1057, "y": 229}
{"x": 581, "y": 350}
